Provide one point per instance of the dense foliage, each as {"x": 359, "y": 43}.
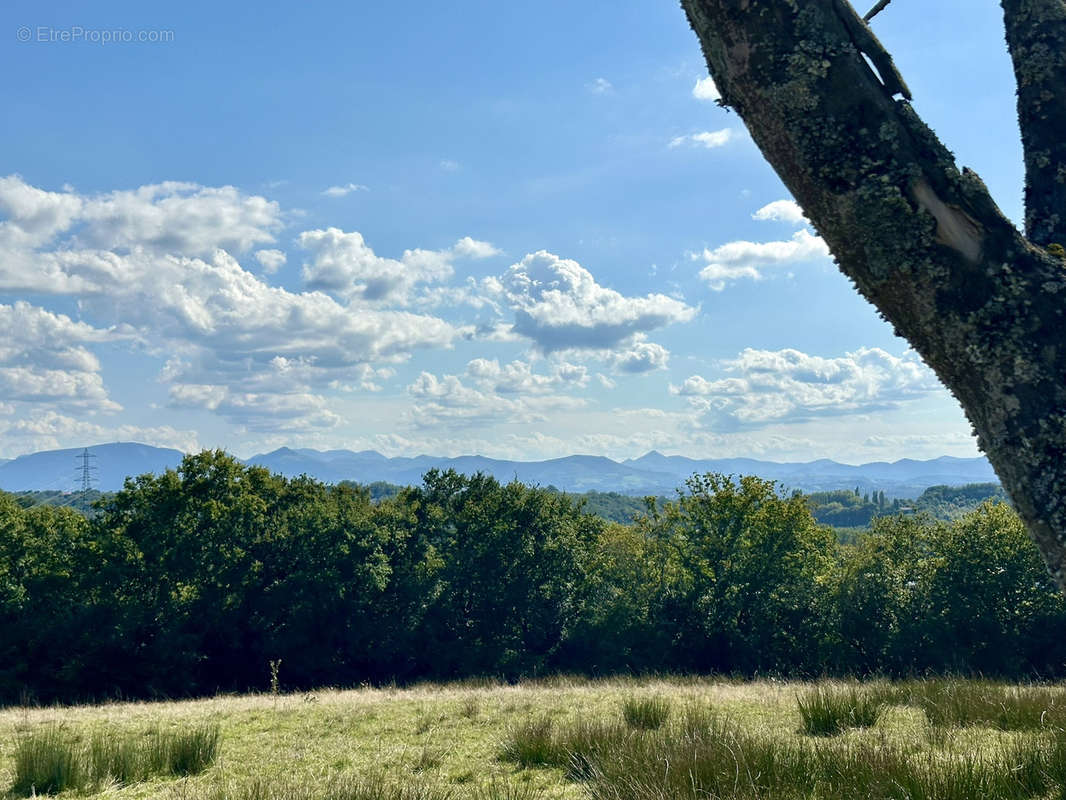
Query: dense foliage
{"x": 195, "y": 580}
{"x": 844, "y": 509}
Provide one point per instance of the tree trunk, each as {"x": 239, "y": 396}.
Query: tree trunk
{"x": 1036, "y": 35}
{"x": 922, "y": 241}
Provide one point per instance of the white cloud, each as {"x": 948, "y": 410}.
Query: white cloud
{"x": 34, "y": 215}
{"x": 706, "y": 90}
{"x": 173, "y": 217}
{"x": 741, "y": 259}
{"x": 707, "y": 139}
{"x": 447, "y": 402}
{"x": 343, "y": 264}
{"x": 787, "y": 385}
{"x": 50, "y": 430}
{"x": 599, "y": 86}
{"x": 518, "y": 378}
{"x": 293, "y": 411}
{"x": 43, "y": 358}
{"x": 346, "y": 189}
{"x": 559, "y": 306}
{"x": 64, "y": 243}
{"x": 31, "y": 384}
{"x": 449, "y": 165}
{"x": 472, "y": 248}
{"x": 781, "y": 211}
{"x": 270, "y": 260}
{"x": 641, "y": 357}
{"x": 131, "y": 257}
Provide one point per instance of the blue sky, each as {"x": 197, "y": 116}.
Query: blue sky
{"x": 442, "y": 228}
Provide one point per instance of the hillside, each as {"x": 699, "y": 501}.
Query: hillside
{"x": 651, "y": 474}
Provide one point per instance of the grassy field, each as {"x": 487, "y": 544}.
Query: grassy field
{"x": 562, "y": 738}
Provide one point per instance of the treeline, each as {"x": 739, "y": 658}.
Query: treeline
{"x": 846, "y": 509}
{"x": 193, "y": 581}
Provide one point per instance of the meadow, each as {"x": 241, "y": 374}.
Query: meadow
{"x": 558, "y": 738}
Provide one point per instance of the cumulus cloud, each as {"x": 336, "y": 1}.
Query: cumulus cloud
{"x": 472, "y": 248}
{"x": 293, "y": 411}
{"x": 49, "y": 430}
{"x": 741, "y": 259}
{"x": 345, "y": 189}
{"x": 447, "y": 402}
{"x": 781, "y": 211}
{"x": 343, "y": 264}
{"x": 518, "y": 377}
{"x": 164, "y": 259}
{"x": 707, "y": 139}
{"x": 705, "y": 89}
{"x": 65, "y": 243}
{"x": 44, "y": 358}
{"x": 641, "y": 357}
{"x": 765, "y": 386}
{"x": 270, "y": 260}
{"x": 34, "y": 215}
{"x": 558, "y": 305}
{"x": 173, "y": 217}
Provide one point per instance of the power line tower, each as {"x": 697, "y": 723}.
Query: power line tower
{"x": 85, "y": 469}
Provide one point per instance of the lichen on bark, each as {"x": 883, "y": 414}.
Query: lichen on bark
{"x": 919, "y": 238}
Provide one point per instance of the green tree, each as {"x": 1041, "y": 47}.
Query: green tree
{"x": 881, "y": 599}
{"x": 993, "y": 606}
{"x": 921, "y": 239}
{"x": 754, "y": 564}
{"x": 632, "y": 577}
{"x": 512, "y": 571}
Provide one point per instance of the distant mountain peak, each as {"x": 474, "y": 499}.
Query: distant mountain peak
{"x": 652, "y": 473}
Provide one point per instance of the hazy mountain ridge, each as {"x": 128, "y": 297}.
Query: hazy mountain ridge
{"x": 61, "y": 469}
{"x": 652, "y": 473}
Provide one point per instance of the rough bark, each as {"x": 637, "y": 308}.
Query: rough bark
{"x": 920, "y": 239}
{"x": 1036, "y": 36}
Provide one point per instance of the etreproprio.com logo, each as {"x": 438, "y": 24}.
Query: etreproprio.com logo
{"x": 75, "y": 34}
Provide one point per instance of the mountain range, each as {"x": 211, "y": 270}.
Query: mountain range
{"x": 652, "y": 473}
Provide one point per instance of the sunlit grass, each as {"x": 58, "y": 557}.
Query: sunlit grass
{"x": 829, "y": 709}
{"x": 560, "y": 738}
{"x": 54, "y": 758}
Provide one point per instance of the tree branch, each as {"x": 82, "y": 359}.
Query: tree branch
{"x": 873, "y": 12}
{"x": 1036, "y": 36}
{"x": 921, "y": 240}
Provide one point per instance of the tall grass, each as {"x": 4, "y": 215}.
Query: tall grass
{"x": 702, "y": 754}
{"x": 828, "y": 710}
{"x": 730, "y": 764}
{"x": 183, "y": 752}
{"x": 961, "y": 703}
{"x": 532, "y": 743}
{"x": 646, "y": 713}
{"x": 47, "y": 762}
{"x": 55, "y": 758}
{"x": 345, "y": 787}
